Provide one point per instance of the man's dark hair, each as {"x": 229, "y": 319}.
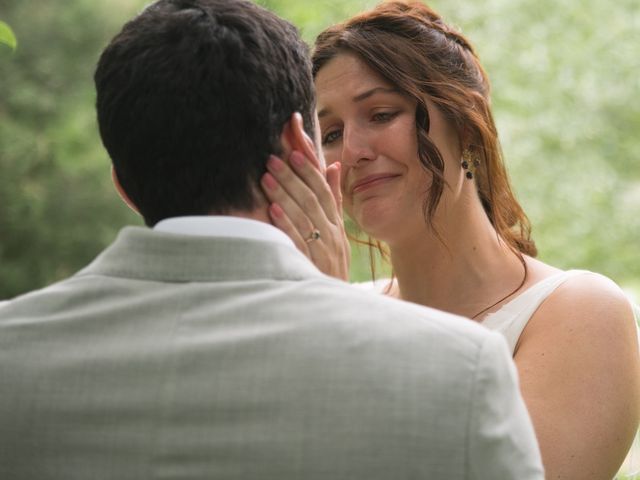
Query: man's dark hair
{"x": 192, "y": 96}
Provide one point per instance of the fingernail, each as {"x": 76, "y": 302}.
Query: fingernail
{"x": 275, "y": 164}
{"x": 276, "y": 210}
{"x": 297, "y": 159}
{"x": 269, "y": 181}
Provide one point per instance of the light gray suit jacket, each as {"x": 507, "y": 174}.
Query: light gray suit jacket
{"x": 177, "y": 357}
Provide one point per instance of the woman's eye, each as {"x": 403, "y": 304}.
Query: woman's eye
{"x": 383, "y": 116}
{"x": 331, "y": 137}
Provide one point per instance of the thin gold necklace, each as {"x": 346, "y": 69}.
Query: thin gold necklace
{"x": 524, "y": 279}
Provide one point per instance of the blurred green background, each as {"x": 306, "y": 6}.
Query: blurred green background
{"x": 566, "y": 85}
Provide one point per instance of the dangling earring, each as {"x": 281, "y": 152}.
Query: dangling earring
{"x": 469, "y": 163}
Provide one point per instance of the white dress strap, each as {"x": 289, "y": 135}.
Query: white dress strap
{"x": 512, "y": 317}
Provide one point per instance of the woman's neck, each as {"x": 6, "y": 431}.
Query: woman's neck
{"x": 463, "y": 271}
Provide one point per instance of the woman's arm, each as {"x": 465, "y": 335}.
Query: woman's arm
{"x": 579, "y": 372}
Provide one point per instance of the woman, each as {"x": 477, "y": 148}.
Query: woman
{"x": 404, "y": 113}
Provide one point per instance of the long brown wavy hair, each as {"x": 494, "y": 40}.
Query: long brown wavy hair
{"x": 410, "y": 45}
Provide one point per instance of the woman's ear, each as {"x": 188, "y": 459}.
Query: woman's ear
{"x": 123, "y": 195}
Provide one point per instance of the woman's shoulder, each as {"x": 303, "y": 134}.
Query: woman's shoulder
{"x": 581, "y": 289}
{"x": 591, "y": 291}
{"x": 585, "y": 304}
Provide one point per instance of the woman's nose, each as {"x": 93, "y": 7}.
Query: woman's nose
{"x": 356, "y": 147}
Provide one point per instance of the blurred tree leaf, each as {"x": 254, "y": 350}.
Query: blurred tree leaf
{"x": 7, "y": 36}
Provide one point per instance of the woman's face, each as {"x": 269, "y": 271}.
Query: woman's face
{"x": 370, "y": 127}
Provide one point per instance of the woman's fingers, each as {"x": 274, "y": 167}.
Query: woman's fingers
{"x": 317, "y": 184}
{"x": 324, "y": 243}
{"x": 325, "y": 246}
{"x": 303, "y": 184}
{"x": 307, "y": 165}
{"x": 298, "y": 218}
{"x": 333, "y": 179}
{"x": 307, "y": 207}
{"x": 282, "y": 221}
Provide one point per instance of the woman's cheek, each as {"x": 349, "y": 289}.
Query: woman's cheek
{"x": 347, "y": 205}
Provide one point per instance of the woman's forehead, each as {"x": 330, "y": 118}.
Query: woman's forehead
{"x": 347, "y": 79}
{"x": 347, "y": 70}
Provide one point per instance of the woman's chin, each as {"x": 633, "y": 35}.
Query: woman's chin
{"x": 376, "y": 224}
{"x": 388, "y": 223}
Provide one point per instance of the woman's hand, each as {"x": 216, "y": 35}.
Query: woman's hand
{"x": 308, "y": 208}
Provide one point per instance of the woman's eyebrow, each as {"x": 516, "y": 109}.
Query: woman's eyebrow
{"x": 368, "y": 93}
{"x": 362, "y": 96}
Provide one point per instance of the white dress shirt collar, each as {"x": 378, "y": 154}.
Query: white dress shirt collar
{"x": 223, "y": 226}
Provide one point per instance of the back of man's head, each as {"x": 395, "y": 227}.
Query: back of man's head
{"x": 192, "y": 96}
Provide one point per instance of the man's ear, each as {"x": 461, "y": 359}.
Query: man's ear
{"x": 123, "y": 195}
{"x": 294, "y": 137}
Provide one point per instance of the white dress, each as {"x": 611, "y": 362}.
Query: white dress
{"x": 513, "y": 316}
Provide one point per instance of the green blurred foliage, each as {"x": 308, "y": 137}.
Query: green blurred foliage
{"x": 57, "y": 207}
{"x": 7, "y": 37}
{"x": 565, "y": 88}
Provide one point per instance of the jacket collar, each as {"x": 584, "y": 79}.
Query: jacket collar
{"x": 142, "y": 253}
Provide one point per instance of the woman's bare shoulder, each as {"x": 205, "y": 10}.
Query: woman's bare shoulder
{"x": 588, "y": 306}
{"x": 586, "y": 293}
{"x": 593, "y": 296}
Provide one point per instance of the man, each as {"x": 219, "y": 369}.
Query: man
{"x": 207, "y": 346}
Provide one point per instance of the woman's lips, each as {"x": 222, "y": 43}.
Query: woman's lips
{"x": 372, "y": 181}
